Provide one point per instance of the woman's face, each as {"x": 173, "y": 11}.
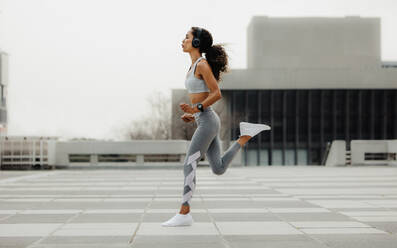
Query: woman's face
{"x": 187, "y": 42}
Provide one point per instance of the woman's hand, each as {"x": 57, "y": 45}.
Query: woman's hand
{"x": 186, "y": 108}
{"x": 187, "y": 117}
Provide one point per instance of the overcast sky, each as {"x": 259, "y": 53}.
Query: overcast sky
{"x": 83, "y": 68}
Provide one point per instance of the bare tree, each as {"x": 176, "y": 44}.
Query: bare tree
{"x": 163, "y": 119}
{"x": 157, "y": 123}
{"x": 181, "y": 129}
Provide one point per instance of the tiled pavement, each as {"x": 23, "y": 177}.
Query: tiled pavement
{"x": 277, "y": 206}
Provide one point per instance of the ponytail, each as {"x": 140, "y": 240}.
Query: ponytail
{"x": 217, "y": 58}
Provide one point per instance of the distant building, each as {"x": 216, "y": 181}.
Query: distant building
{"x": 3, "y": 93}
{"x": 313, "y": 80}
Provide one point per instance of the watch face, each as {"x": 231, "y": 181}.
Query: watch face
{"x": 200, "y": 106}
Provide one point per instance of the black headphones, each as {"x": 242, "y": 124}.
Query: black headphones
{"x": 196, "y": 40}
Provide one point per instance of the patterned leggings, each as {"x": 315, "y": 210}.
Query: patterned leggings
{"x": 205, "y": 140}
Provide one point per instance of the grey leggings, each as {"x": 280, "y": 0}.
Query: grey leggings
{"x": 205, "y": 140}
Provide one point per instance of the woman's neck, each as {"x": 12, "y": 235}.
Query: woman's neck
{"x": 194, "y": 57}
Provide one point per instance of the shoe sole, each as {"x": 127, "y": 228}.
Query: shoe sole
{"x": 178, "y": 225}
{"x": 249, "y": 125}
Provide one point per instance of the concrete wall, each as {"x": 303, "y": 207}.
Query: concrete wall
{"x": 304, "y": 78}
{"x": 62, "y": 149}
{"x": 315, "y": 42}
{"x": 337, "y": 154}
{"x": 392, "y": 148}
{"x": 312, "y": 53}
{"x": 360, "y": 147}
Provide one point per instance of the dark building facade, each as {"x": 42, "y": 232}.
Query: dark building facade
{"x": 304, "y": 121}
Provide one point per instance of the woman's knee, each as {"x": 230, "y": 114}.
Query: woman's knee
{"x": 218, "y": 171}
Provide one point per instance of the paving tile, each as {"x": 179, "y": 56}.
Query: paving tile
{"x": 178, "y": 241}
{"x": 113, "y": 211}
{"x": 79, "y": 200}
{"x": 298, "y": 210}
{"x": 17, "y": 242}
{"x": 27, "y": 230}
{"x": 340, "y": 230}
{"x": 238, "y": 210}
{"x": 114, "y": 217}
{"x": 198, "y": 228}
{"x": 228, "y": 199}
{"x": 231, "y": 204}
{"x": 36, "y": 218}
{"x": 50, "y": 211}
{"x": 306, "y": 224}
{"x": 243, "y": 217}
{"x": 84, "y": 241}
{"x": 368, "y": 240}
{"x": 256, "y": 228}
{"x": 273, "y": 241}
{"x": 4, "y": 216}
{"x": 369, "y": 213}
{"x": 376, "y": 218}
{"x": 330, "y": 191}
{"x": 274, "y": 199}
{"x": 389, "y": 227}
{"x": 252, "y": 207}
{"x": 7, "y": 212}
{"x": 96, "y": 229}
{"x": 312, "y": 216}
{"x": 28, "y": 200}
{"x": 17, "y": 205}
{"x": 341, "y": 204}
{"x": 284, "y": 204}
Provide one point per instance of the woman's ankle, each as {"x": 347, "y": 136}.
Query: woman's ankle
{"x": 243, "y": 140}
{"x": 184, "y": 212}
{"x": 184, "y": 209}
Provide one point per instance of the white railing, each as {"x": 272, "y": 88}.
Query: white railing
{"x": 19, "y": 152}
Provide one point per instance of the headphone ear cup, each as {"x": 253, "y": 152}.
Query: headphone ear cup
{"x": 196, "y": 40}
{"x": 195, "y": 43}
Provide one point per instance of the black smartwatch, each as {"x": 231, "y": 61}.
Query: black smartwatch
{"x": 200, "y": 107}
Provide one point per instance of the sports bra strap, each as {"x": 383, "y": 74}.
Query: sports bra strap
{"x": 195, "y": 64}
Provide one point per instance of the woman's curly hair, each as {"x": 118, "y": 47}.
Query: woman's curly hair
{"x": 216, "y": 55}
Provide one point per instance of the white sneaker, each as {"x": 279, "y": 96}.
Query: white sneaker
{"x": 179, "y": 220}
{"x": 252, "y": 129}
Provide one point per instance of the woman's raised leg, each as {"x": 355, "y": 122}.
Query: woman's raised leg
{"x": 219, "y": 163}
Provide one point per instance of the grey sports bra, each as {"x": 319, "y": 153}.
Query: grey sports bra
{"x": 193, "y": 84}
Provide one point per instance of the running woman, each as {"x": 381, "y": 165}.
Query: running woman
{"x": 202, "y": 85}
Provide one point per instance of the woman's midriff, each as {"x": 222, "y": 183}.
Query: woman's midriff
{"x": 198, "y": 97}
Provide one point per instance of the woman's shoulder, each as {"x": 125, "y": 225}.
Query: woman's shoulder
{"x": 203, "y": 63}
